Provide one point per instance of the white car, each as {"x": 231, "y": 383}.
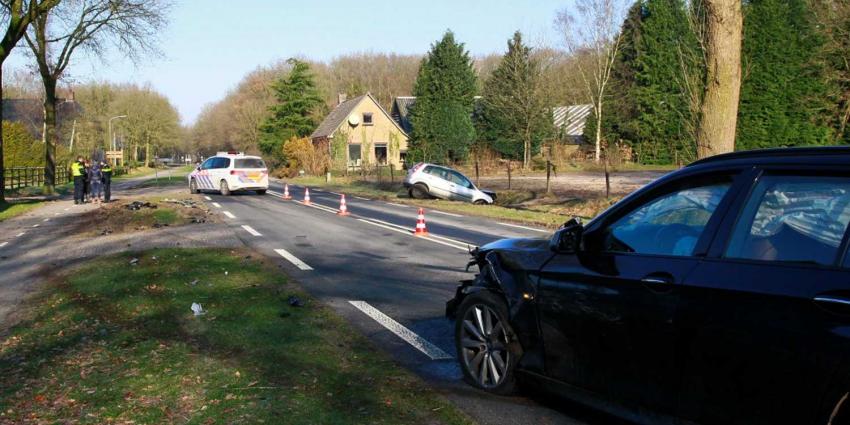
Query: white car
{"x": 228, "y": 172}
{"x": 424, "y": 180}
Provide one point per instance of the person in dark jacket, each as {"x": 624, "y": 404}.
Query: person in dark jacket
{"x": 96, "y": 182}
{"x": 78, "y": 172}
{"x": 106, "y": 170}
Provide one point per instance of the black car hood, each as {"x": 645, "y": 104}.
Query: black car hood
{"x": 520, "y": 253}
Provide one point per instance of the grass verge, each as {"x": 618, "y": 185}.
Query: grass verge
{"x": 112, "y": 343}
{"x": 16, "y": 208}
{"x": 511, "y": 205}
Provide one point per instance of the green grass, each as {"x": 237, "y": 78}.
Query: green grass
{"x": 148, "y": 171}
{"x": 59, "y": 189}
{"x": 549, "y": 212}
{"x": 16, "y": 208}
{"x": 114, "y": 343}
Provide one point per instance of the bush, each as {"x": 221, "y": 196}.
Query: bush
{"x": 302, "y": 155}
{"x": 20, "y": 148}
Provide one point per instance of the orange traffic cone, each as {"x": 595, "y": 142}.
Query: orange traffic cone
{"x": 421, "y": 230}
{"x": 306, "y": 196}
{"x": 343, "y": 210}
{"x": 286, "y": 194}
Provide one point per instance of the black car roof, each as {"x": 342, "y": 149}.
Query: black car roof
{"x": 787, "y": 155}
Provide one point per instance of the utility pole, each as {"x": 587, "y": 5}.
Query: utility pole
{"x": 111, "y": 135}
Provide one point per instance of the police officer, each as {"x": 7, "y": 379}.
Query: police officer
{"x": 106, "y": 171}
{"x": 78, "y": 172}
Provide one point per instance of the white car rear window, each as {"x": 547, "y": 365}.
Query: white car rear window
{"x": 250, "y": 163}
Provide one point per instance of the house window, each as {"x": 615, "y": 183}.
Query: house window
{"x": 367, "y": 118}
{"x": 381, "y": 153}
{"x": 354, "y": 154}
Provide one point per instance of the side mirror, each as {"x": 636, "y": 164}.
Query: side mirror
{"x": 567, "y": 239}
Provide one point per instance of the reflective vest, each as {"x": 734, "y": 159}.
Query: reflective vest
{"x": 106, "y": 169}
{"x": 77, "y": 169}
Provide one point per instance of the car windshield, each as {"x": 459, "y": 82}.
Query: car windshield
{"x": 250, "y": 163}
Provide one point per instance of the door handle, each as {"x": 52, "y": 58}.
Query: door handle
{"x": 658, "y": 282}
{"x": 655, "y": 281}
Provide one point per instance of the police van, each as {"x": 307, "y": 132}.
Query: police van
{"x": 228, "y": 172}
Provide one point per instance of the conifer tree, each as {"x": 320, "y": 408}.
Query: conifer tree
{"x": 783, "y": 97}
{"x": 442, "y": 116}
{"x": 293, "y": 114}
{"x": 515, "y": 116}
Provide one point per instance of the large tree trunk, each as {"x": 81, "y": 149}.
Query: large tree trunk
{"x": 719, "y": 112}
{"x": 51, "y": 136}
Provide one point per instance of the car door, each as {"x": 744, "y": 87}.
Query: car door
{"x": 607, "y": 312}
{"x": 438, "y": 183}
{"x": 220, "y": 171}
{"x": 204, "y": 181}
{"x": 764, "y": 320}
{"x": 460, "y": 187}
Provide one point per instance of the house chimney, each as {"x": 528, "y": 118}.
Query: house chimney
{"x": 341, "y": 97}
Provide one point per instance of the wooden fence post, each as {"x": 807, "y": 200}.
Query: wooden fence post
{"x": 607, "y": 181}
{"x": 476, "y": 172}
{"x": 548, "y": 171}
{"x": 509, "y": 175}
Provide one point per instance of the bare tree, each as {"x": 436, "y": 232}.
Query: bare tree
{"x": 724, "y": 24}
{"x": 594, "y": 27}
{"x": 17, "y": 15}
{"x": 131, "y": 26}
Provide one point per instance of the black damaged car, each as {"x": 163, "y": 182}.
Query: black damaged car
{"x": 719, "y": 294}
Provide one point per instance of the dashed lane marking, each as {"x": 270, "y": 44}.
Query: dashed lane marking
{"x": 3, "y": 244}
{"x": 421, "y": 344}
{"x": 524, "y": 227}
{"x": 396, "y": 205}
{"x": 58, "y": 213}
{"x": 361, "y": 198}
{"x": 207, "y": 198}
{"x": 293, "y": 259}
{"x": 46, "y": 219}
{"x": 36, "y": 225}
{"x": 445, "y": 213}
{"x": 216, "y": 204}
{"x": 228, "y": 214}
{"x": 20, "y": 234}
{"x": 251, "y": 230}
{"x": 66, "y": 209}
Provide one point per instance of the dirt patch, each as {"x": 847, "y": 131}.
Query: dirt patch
{"x": 131, "y": 215}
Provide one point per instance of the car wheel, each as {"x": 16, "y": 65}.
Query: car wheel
{"x": 485, "y": 343}
{"x": 224, "y": 188}
{"x": 419, "y": 191}
{"x": 480, "y": 202}
{"x": 261, "y": 192}
{"x": 193, "y": 187}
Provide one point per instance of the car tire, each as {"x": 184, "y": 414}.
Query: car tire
{"x": 193, "y": 187}
{"x": 261, "y": 192}
{"x": 419, "y": 191}
{"x": 224, "y": 188}
{"x": 487, "y": 360}
{"x": 480, "y": 202}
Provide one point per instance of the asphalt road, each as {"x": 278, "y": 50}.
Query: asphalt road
{"x": 390, "y": 284}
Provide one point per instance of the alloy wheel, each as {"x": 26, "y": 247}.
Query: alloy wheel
{"x": 484, "y": 346}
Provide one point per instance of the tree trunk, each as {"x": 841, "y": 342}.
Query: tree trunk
{"x": 147, "y": 154}
{"x": 598, "y": 153}
{"x": 719, "y": 112}
{"x": 50, "y": 134}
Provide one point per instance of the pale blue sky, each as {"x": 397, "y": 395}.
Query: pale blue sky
{"x": 211, "y": 44}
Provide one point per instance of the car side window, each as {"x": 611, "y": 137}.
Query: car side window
{"x": 794, "y": 219}
{"x": 670, "y": 224}
{"x": 438, "y": 172}
{"x": 223, "y": 163}
{"x": 208, "y": 164}
{"x": 459, "y": 179}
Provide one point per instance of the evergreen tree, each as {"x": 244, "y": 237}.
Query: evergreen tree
{"x": 293, "y": 115}
{"x": 784, "y": 94}
{"x": 442, "y": 116}
{"x": 649, "y": 108}
{"x": 515, "y": 116}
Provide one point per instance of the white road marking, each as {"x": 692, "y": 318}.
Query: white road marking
{"x": 337, "y": 194}
{"x": 396, "y": 205}
{"x": 57, "y": 213}
{"x": 251, "y": 230}
{"x": 421, "y": 344}
{"x": 362, "y": 199}
{"x": 445, "y": 213}
{"x": 36, "y": 225}
{"x": 409, "y": 232}
{"x": 317, "y": 190}
{"x": 293, "y": 259}
{"x": 228, "y": 214}
{"x": 66, "y": 209}
{"x": 20, "y": 234}
{"x": 46, "y": 219}
{"x": 318, "y": 207}
{"x": 524, "y": 227}
{"x": 216, "y": 204}
{"x": 3, "y": 244}
{"x": 207, "y": 198}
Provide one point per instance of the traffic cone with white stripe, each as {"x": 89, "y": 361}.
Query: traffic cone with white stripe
{"x": 286, "y": 194}
{"x": 343, "y": 209}
{"x": 421, "y": 230}
{"x": 306, "y": 196}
